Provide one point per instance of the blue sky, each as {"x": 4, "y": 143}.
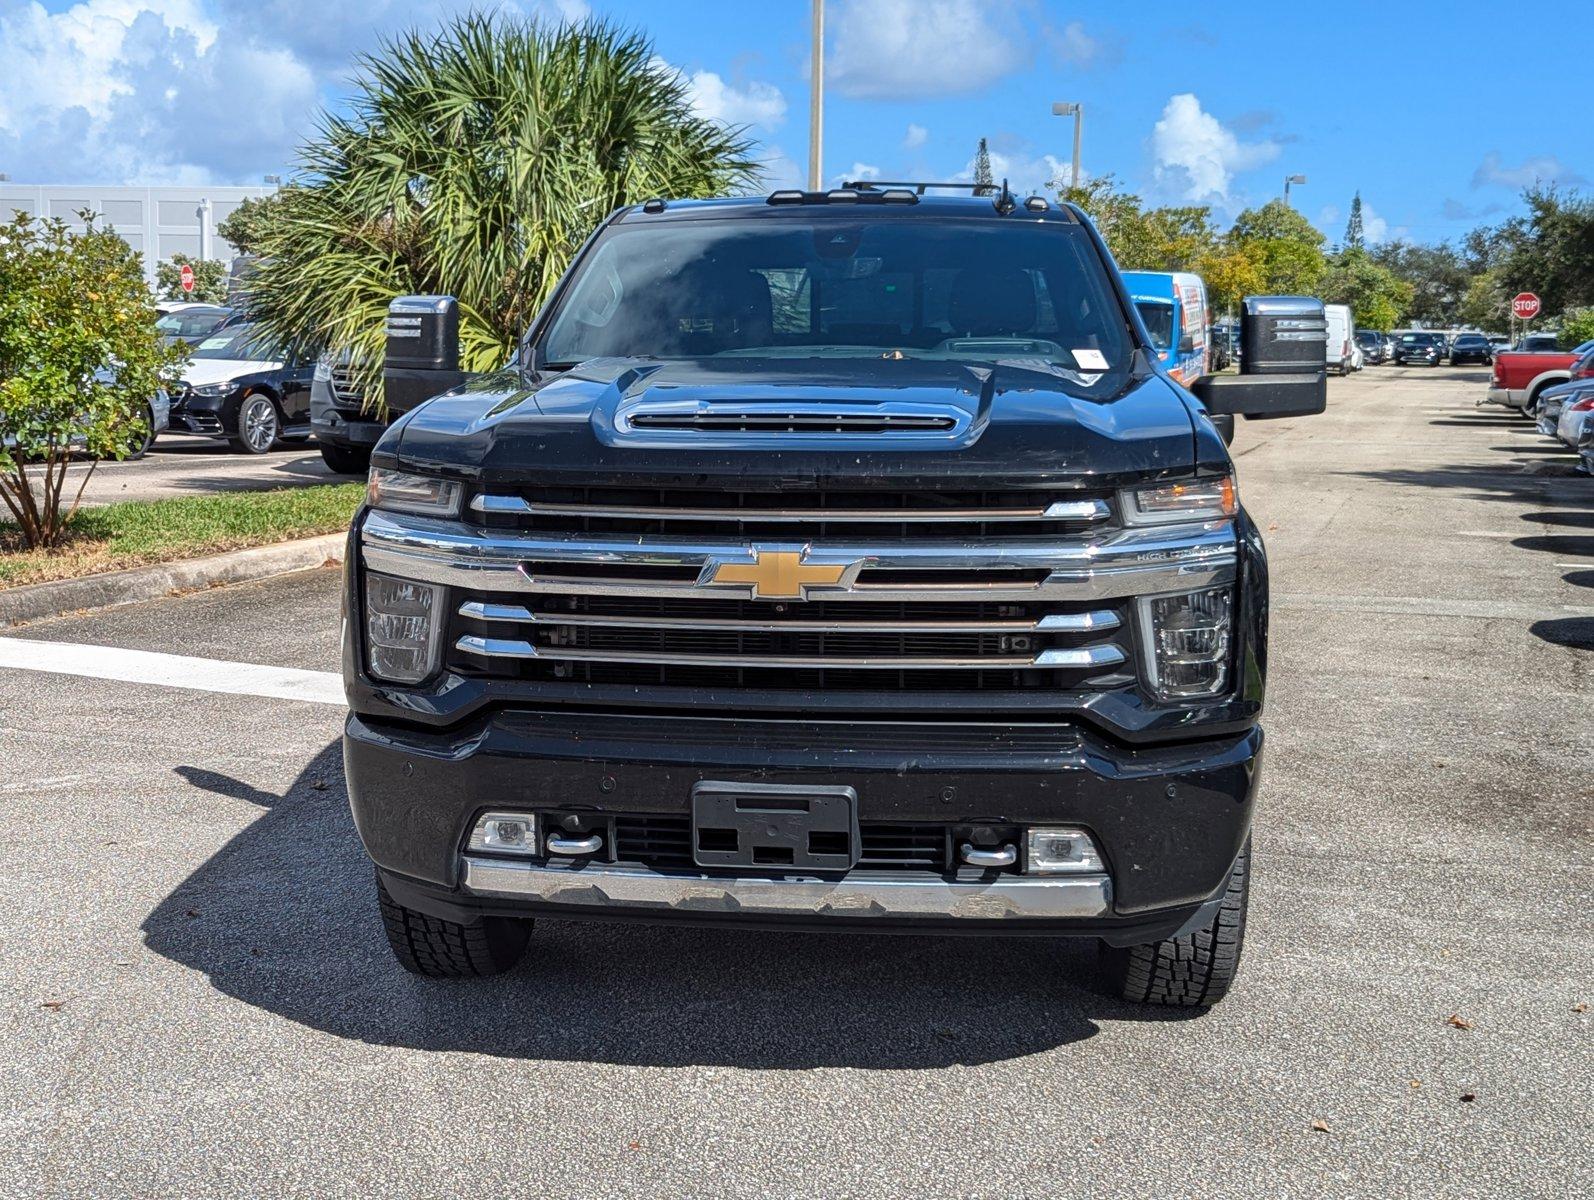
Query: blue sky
{"x": 1404, "y": 102}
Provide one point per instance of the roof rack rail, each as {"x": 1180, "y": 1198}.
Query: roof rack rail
{"x": 847, "y": 194}
{"x": 1001, "y": 197}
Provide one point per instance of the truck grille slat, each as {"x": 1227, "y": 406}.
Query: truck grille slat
{"x": 665, "y": 841}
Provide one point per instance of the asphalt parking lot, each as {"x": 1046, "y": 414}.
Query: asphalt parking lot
{"x": 198, "y": 1000}
{"x": 182, "y": 465}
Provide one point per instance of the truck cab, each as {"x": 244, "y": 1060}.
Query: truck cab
{"x": 832, "y": 560}
{"x": 1173, "y": 307}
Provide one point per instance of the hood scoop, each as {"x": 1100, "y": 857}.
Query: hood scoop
{"x": 893, "y": 419}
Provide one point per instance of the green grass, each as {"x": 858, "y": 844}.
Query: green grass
{"x": 146, "y": 531}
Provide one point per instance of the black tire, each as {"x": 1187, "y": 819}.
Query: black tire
{"x": 258, "y": 425}
{"x": 439, "y": 949}
{"x": 1193, "y": 971}
{"x": 346, "y": 460}
{"x": 138, "y": 445}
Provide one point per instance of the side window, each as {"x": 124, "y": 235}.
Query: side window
{"x": 790, "y": 296}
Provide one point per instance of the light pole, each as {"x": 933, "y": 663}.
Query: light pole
{"x": 1289, "y": 179}
{"x": 1072, "y": 108}
{"x": 816, "y": 101}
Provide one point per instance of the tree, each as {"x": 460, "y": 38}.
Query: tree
{"x": 474, "y": 161}
{"x": 1231, "y": 272}
{"x": 210, "y": 279}
{"x": 245, "y": 227}
{"x": 1550, "y": 251}
{"x": 984, "y": 185}
{"x": 1377, "y": 297}
{"x": 1438, "y": 276}
{"x": 1287, "y": 247}
{"x": 1577, "y": 327}
{"x": 1355, "y": 238}
{"x": 1487, "y": 302}
{"x": 79, "y": 359}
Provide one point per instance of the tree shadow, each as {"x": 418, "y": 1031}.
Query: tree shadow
{"x": 1580, "y": 578}
{"x": 284, "y": 918}
{"x": 1572, "y": 520}
{"x": 1542, "y": 485}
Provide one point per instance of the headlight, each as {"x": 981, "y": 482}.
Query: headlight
{"x": 323, "y": 370}
{"x": 403, "y": 627}
{"x": 213, "y": 390}
{"x": 400, "y": 491}
{"x": 1187, "y": 642}
{"x": 1191, "y": 500}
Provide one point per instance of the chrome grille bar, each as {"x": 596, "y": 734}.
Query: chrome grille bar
{"x": 1057, "y": 510}
{"x": 1083, "y": 656}
{"x": 1086, "y": 622}
{"x": 1116, "y": 563}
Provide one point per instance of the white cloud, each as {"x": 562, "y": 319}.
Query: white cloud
{"x": 1196, "y": 157}
{"x": 900, "y": 49}
{"x": 1537, "y": 169}
{"x": 858, "y": 171}
{"x": 780, "y": 171}
{"x": 145, "y": 91}
{"x": 1072, "y": 45}
{"x": 916, "y": 136}
{"x": 1025, "y": 176}
{"x": 1374, "y": 228}
{"x": 760, "y": 104}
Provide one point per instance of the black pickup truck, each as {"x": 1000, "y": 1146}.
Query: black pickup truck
{"x": 826, "y": 560}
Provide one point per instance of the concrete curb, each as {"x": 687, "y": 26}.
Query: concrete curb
{"x": 39, "y": 600}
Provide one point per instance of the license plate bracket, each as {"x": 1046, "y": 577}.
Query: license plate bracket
{"x": 774, "y": 826}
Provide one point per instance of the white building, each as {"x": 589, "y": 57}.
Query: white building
{"x": 156, "y": 221}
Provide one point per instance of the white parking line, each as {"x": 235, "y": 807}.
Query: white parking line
{"x": 172, "y": 670}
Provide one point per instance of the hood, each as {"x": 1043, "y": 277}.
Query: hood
{"x": 201, "y": 371}
{"x": 1012, "y": 422}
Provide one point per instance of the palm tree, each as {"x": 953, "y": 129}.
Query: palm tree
{"x": 474, "y": 162}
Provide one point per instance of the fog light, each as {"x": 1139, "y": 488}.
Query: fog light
{"x": 505, "y": 833}
{"x": 1062, "y": 850}
{"x": 402, "y": 628}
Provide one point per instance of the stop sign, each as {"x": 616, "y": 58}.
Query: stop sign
{"x": 1525, "y": 306}
{"x": 186, "y": 275}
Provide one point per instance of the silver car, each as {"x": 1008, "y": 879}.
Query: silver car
{"x": 1574, "y": 419}
{"x": 1551, "y": 401}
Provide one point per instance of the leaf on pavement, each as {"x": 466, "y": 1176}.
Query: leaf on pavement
{"x": 1319, "y": 1126}
{"x": 52, "y": 1005}
{"x": 1468, "y": 1097}
{"x": 1457, "y": 1021}
{"x": 1580, "y": 1007}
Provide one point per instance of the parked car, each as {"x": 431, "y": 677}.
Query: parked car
{"x": 1341, "y": 352}
{"x": 1521, "y": 376}
{"x": 1470, "y": 347}
{"x": 1574, "y": 419}
{"x": 1536, "y": 343}
{"x": 1421, "y": 348}
{"x": 1585, "y": 449}
{"x": 192, "y": 323}
{"x": 1551, "y": 400}
{"x": 1173, "y": 305}
{"x": 1498, "y": 342}
{"x": 344, "y": 430}
{"x": 1441, "y": 342}
{"x": 241, "y": 386}
{"x": 1374, "y": 346}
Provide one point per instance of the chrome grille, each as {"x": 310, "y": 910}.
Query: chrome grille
{"x": 663, "y": 841}
{"x": 346, "y": 393}
{"x": 894, "y": 516}
{"x": 971, "y": 599}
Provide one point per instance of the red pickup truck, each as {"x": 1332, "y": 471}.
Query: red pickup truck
{"x": 1520, "y": 375}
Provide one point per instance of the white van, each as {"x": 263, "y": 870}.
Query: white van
{"x": 1341, "y": 338}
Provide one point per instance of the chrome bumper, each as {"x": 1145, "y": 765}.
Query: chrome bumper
{"x": 858, "y": 895}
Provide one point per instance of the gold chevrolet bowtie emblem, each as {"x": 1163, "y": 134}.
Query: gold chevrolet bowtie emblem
{"x": 778, "y": 574}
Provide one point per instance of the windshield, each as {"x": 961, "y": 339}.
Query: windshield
{"x": 190, "y": 322}
{"x": 1470, "y": 339}
{"x": 1368, "y": 338}
{"x": 240, "y": 342}
{"x": 1417, "y": 339}
{"x": 839, "y": 287}
{"x": 1158, "y": 318}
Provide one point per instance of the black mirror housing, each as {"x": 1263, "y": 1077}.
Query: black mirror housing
{"x": 422, "y": 355}
{"x": 1283, "y": 369}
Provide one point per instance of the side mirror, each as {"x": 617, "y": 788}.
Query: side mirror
{"x": 1283, "y": 362}
{"x": 1187, "y": 343}
{"x": 422, "y": 356}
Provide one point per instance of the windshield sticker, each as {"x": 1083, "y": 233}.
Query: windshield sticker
{"x": 1090, "y": 360}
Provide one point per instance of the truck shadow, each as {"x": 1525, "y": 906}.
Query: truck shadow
{"x": 284, "y": 918}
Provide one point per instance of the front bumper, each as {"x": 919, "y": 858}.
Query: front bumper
{"x": 340, "y": 426}
{"x": 1169, "y": 820}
